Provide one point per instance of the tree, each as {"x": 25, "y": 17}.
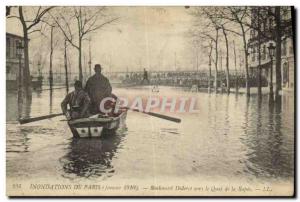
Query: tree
{"x": 28, "y": 25}
{"x": 66, "y": 66}
{"x": 274, "y": 32}
{"x": 259, "y": 16}
{"x": 213, "y": 39}
{"x": 283, "y": 27}
{"x": 53, "y": 43}
{"x": 207, "y": 45}
{"x": 227, "y": 59}
{"x": 212, "y": 14}
{"x": 278, "y": 51}
{"x": 236, "y": 76}
{"x": 210, "y": 45}
{"x": 256, "y": 21}
{"x": 207, "y": 30}
{"x": 77, "y": 23}
{"x": 238, "y": 15}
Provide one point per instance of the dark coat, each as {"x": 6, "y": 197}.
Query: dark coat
{"x": 78, "y": 102}
{"x": 97, "y": 87}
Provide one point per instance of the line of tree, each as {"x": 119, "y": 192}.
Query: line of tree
{"x": 28, "y": 27}
{"x": 75, "y": 24}
{"x": 234, "y": 21}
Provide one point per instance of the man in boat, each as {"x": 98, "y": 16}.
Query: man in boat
{"x": 79, "y": 102}
{"x": 98, "y": 88}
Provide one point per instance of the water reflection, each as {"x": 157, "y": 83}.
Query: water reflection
{"x": 18, "y": 104}
{"x": 232, "y": 136}
{"x": 264, "y": 142}
{"x": 88, "y": 157}
{"x": 18, "y": 141}
{"x": 38, "y": 92}
{"x": 50, "y": 100}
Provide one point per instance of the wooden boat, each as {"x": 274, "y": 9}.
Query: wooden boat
{"x": 97, "y": 125}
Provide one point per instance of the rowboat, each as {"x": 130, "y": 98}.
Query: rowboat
{"x": 97, "y": 125}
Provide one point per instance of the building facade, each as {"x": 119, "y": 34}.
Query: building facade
{"x": 13, "y": 61}
{"x": 263, "y": 19}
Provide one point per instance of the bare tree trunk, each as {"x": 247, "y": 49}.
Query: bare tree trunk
{"x": 51, "y": 59}
{"x": 271, "y": 83}
{"x": 227, "y": 62}
{"x": 209, "y": 64}
{"x": 236, "y": 79}
{"x": 26, "y": 71}
{"x": 259, "y": 57}
{"x": 278, "y": 52}
{"x": 66, "y": 66}
{"x": 216, "y": 60}
{"x": 79, "y": 60}
{"x": 209, "y": 76}
{"x": 26, "y": 28}
{"x": 90, "y": 58}
{"x": 246, "y": 60}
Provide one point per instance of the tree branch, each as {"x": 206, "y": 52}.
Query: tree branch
{"x": 13, "y": 16}
{"x": 69, "y": 39}
{"x": 90, "y": 29}
{"x": 36, "y": 30}
{"x": 39, "y": 16}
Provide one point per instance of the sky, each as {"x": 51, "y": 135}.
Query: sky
{"x": 146, "y": 37}
{"x": 154, "y": 38}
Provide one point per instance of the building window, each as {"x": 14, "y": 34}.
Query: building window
{"x": 253, "y": 54}
{"x": 271, "y": 23}
{"x": 291, "y": 50}
{"x": 16, "y": 45}
{"x": 8, "y": 69}
{"x": 7, "y": 47}
{"x": 286, "y": 12}
{"x": 283, "y": 51}
{"x": 285, "y": 76}
{"x": 251, "y": 34}
{"x": 264, "y": 52}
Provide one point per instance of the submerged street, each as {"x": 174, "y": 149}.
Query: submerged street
{"x": 229, "y": 139}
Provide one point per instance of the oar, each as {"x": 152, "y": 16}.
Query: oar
{"x": 169, "y": 118}
{"x": 29, "y": 120}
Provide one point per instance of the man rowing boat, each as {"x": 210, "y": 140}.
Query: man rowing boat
{"x": 78, "y": 100}
{"x": 98, "y": 88}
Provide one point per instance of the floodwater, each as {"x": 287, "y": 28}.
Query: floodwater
{"x": 229, "y": 138}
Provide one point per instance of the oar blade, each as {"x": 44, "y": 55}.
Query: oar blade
{"x": 164, "y": 117}
{"x": 29, "y": 120}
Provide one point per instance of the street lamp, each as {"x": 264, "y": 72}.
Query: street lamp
{"x": 20, "y": 51}
{"x": 209, "y": 76}
{"x": 271, "y": 49}
{"x": 90, "y": 68}
{"x": 39, "y": 67}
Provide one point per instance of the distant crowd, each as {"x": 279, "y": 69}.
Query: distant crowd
{"x": 188, "y": 79}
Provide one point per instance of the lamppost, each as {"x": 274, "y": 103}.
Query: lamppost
{"x": 90, "y": 58}
{"x": 39, "y": 68}
{"x": 209, "y": 76}
{"x": 271, "y": 49}
{"x": 19, "y": 54}
{"x": 90, "y": 68}
{"x": 20, "y": 49}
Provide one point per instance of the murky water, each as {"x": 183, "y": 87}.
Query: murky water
{"x": 231, "y": 137}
